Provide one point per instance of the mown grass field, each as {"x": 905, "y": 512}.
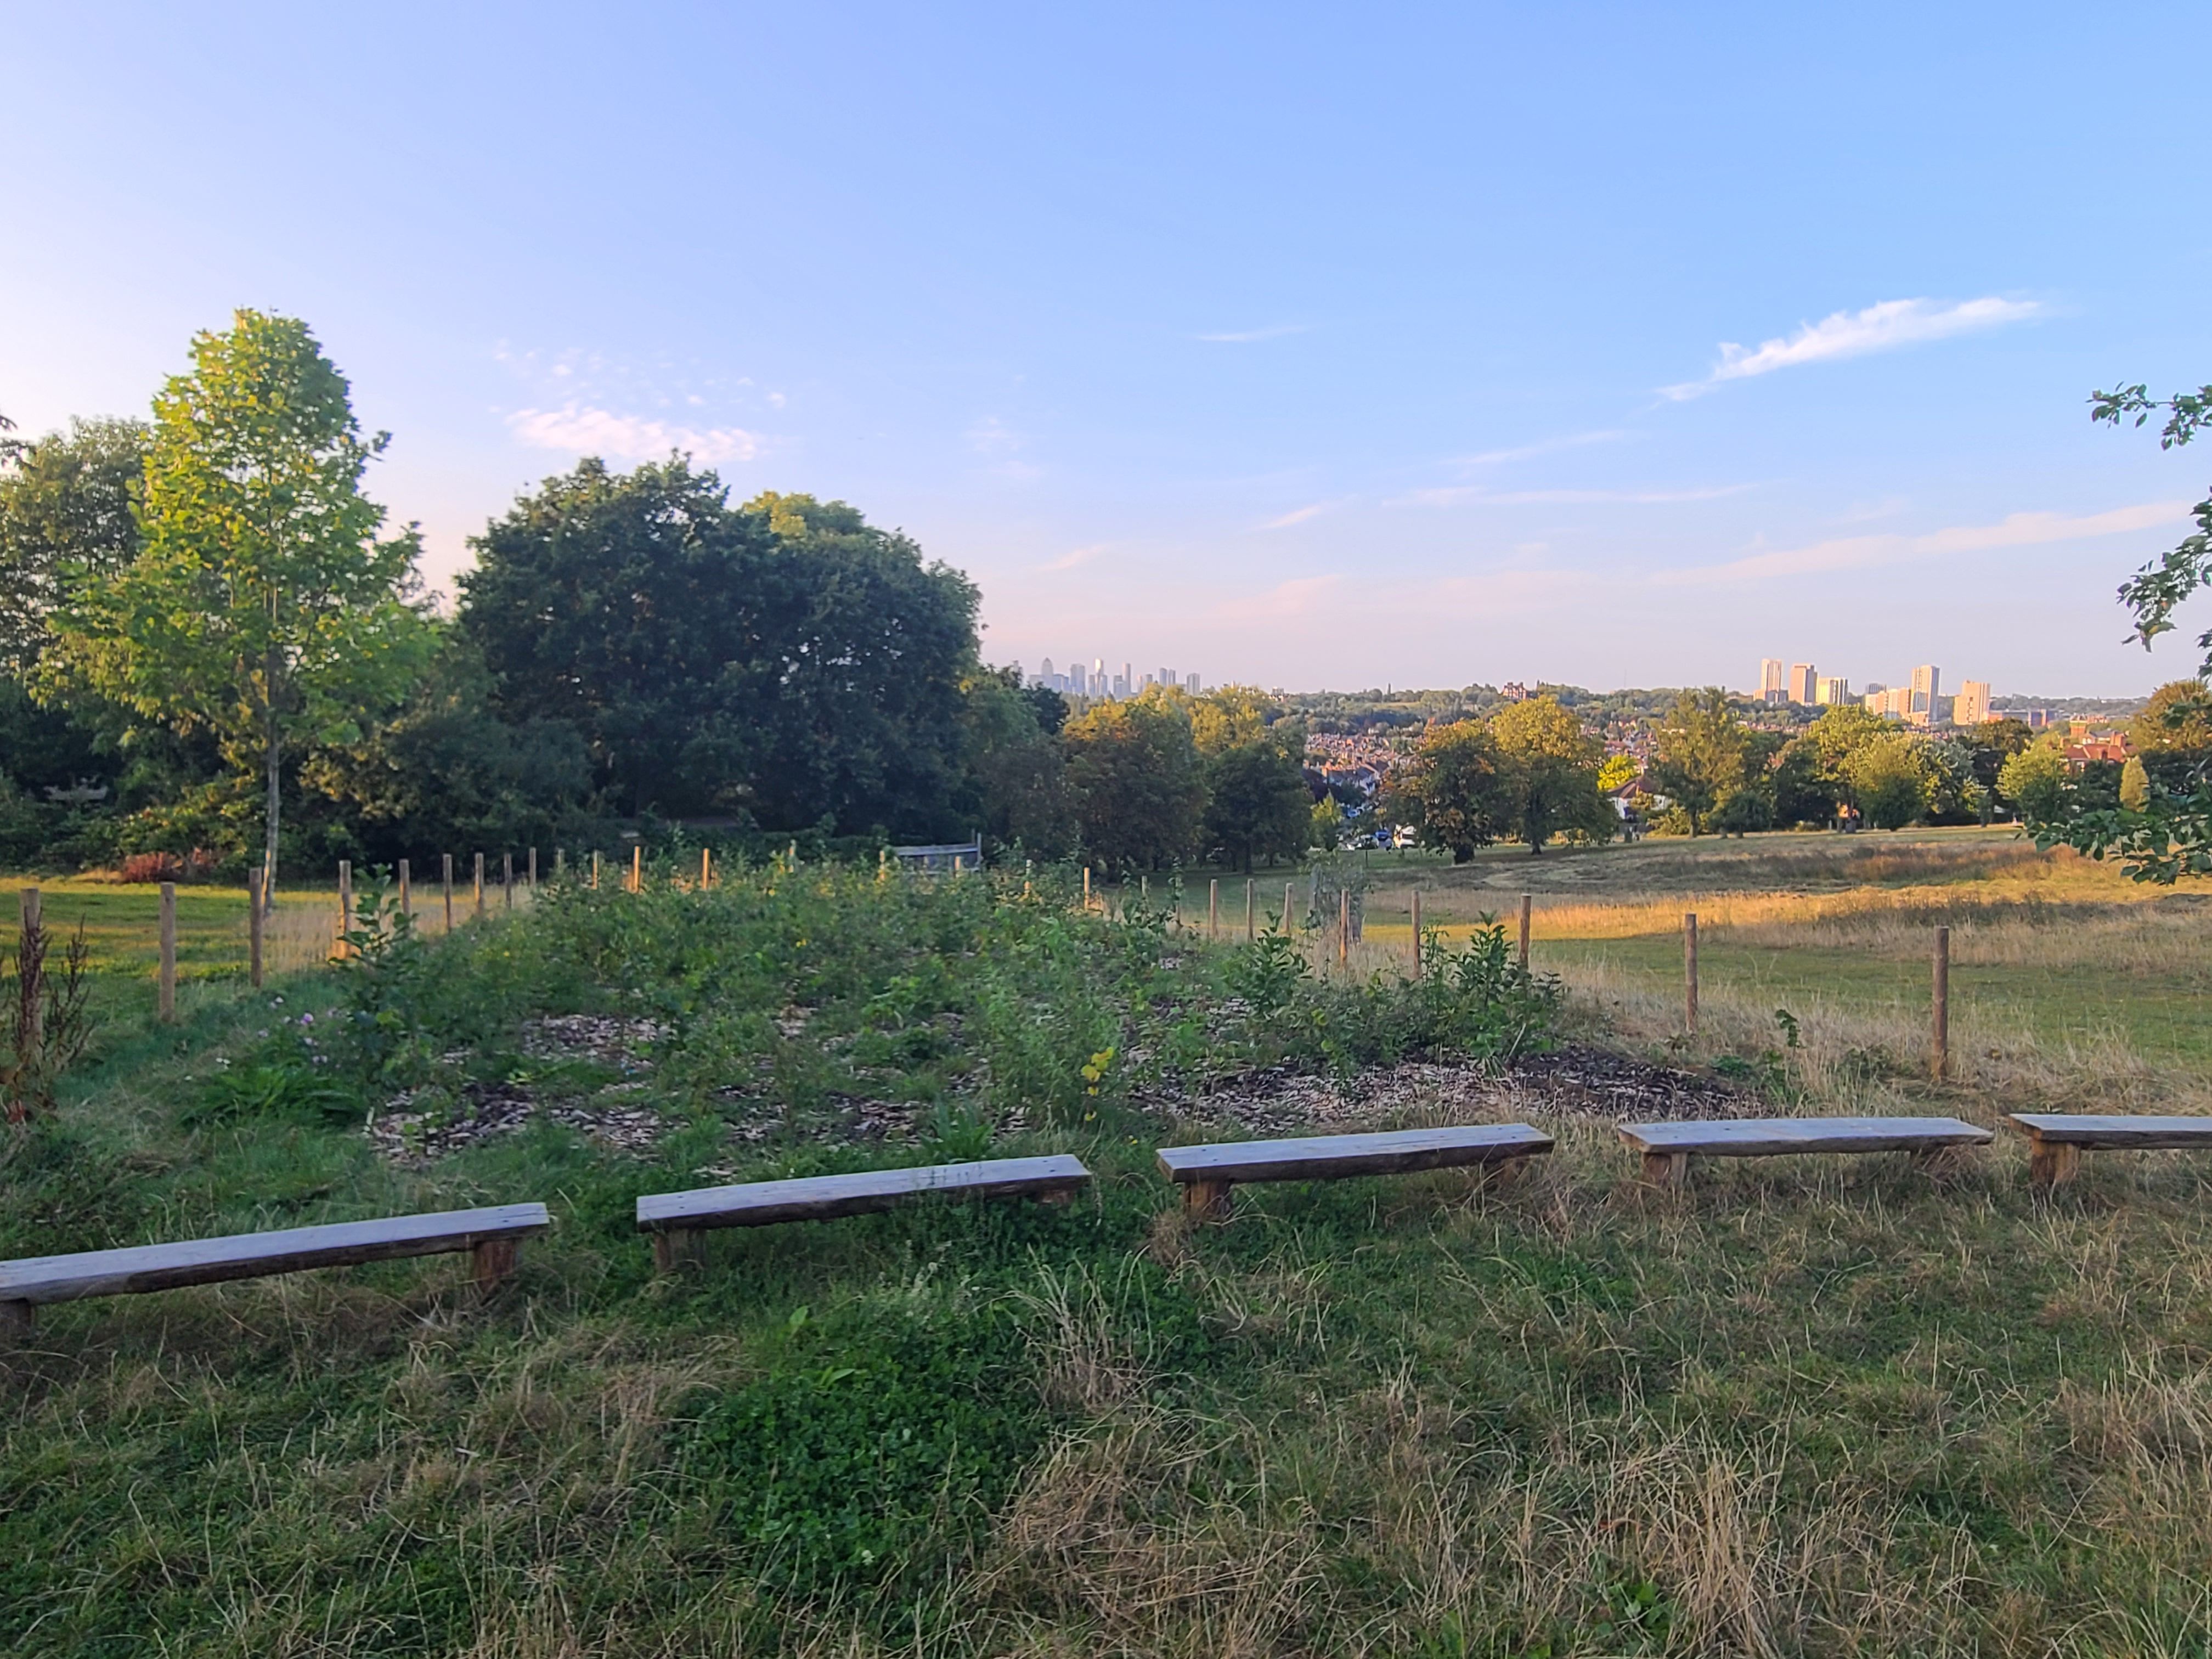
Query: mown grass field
{"x": 1809, "y": 1407}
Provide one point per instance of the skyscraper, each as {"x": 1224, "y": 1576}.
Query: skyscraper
{"x": 1925, "y": 680}
{"x": 1190, "y": 684}
{"x": 1973, "y": 707}
{"x": 1771, "y": 686}
{"x": 1830, "y": 689}
{"x": 1802, "y": 679}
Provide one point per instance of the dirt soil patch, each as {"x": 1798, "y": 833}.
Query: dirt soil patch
{"x": 1574, "y": 1081}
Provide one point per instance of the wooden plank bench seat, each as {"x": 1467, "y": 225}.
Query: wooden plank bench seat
{"x": 675, "y": 1220}
{"x": 2058, "y": 1139}
{"x": 490, "y": 1235}
{"x": 1668, "y": 1147}
{"x": 1208, "y": 1174}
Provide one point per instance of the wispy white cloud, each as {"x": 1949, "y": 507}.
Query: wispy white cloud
{"x": 1858, "y": 552}
{"x": 1247, "y": 336}
{"x": 1883, "y": 327}
{"x": 1475, "y": 494}
{"x": 1297, "y": 597}
{"x": 1543, "y": 446}
{"x": 1297, "y": 515}
{"x": 581, "y": 429}
{"x": 1074, "y": 557}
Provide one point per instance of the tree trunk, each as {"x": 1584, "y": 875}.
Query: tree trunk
{"x": 275, "y": 803}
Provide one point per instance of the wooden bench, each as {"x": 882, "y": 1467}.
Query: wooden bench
{"x": 489, "y": 1234}
{"x": 1208, "y": 1174}
{"x": 1668, "y": 1147}
{"x": 675, "y": 1219}
{"x": 2058, "y": 1139}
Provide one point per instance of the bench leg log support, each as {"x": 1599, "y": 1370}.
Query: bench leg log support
{"x": 2053, "y": 1164}
{"x": 679, "y": 1248}
{"x": 17, "y": 1321}
{"x": 494, "y": 1261}
{"x": 1668, "y": 1170}
{"x": 1207, "y": 1200}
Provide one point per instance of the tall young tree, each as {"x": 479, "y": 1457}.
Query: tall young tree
{"x": 1455, "y": 791}
{"x": 1705, "y": 754}
{"x": 263, "y": 606}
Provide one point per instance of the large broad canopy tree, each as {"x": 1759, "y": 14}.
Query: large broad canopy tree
{"x": 1705, "y": 755}
{"x": 263, "y": 606}
{"x": 785, "y": 661}
{"x": 1455, "y": 791}
{"x": 1139, "y": 782}
{"x": 1551, "y": 766}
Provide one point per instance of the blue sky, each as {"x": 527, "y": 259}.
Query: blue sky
{"x": 1308, "y": 347}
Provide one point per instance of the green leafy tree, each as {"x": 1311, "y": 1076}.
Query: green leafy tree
{"x": 1019, "y": 767}
{"x": 2034, "y": 781}
{"x": 1258, "y": 806}
{"x": 1988, "y": 746}
{"x": 2177, "y": 719}
{"x": 1705, "y": 753}
{"x": 785, "y": 660}
{"x": 2135, "y": 785}
{"x": 2156, "y": 592}
{"x": 263, "y": 607}
{"x": 1139, "y": 790}
{"x": 1550, "y": 765}
{"x": 1455, "y": 792}
{"x": 66, "y": 505}
{"x": 1891, "y": 779}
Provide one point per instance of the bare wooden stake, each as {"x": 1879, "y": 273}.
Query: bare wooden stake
{"x": 406, "y": 892}
{"x": 1251, "y": 911}
{"x": 1213, "y": 909}
{"x": 1086, "y": 887}
{"x": 1690, "y": 971}
{"x": 1344, "y": 928}
{"x": 706, "y": 868}
{"x": 253, "y": 927}
{"x": 637, "y": 867}
{"x": 479, "y": 877}
{"x": 339, "y": 947}
{"x": 1939, "y": 1058}
{"x": 448, "y": 883}
{"x": 1525, "y": 903}
{"x": 1289, "y": 887}
{"x": 595, "y": 872}
{"x": 507, "y": 880}
{"x": 30, "y": 965}
{"x": 533, "y": 870}
{"x": 1415, "y": 908}
{"x": 166, "y": 984}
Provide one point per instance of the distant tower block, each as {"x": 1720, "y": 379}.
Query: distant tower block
{"x": 1190, "y": 684}
{"x": 1802, "y": 682}
{"x": 1973, "y": 707}
{"x": 1831, "y": 690}
{"x": 1926, "y": 680}
{"x": 1772, "y": 686}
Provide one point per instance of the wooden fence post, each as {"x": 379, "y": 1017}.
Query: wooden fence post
{"x": 533, "y": 870}
{"x": 448, "y": 883}
{"x": 1344, "y": 928}
{"x": 1289, "y": 887}
{"x": 253, "y": 927}
{"x": 507, "y": 880}
{"x": 1524, "y": 933}
{"x": 1941, "y": 1059}
{"x": 340, "y": 948}
{"x": 1690, "y": 971}
{"x": 1251, "y": 914}
{"x": 595, "y": 872}
{"x": 1086, "y": 887}
{"x": 165, "y": 986}
{"x": 1213, "y": 909}
{"x": 706, "y": 868}
{"x": 406, "y": 892}
{"x": 479, "y": 892}
{"x": 31, "y": 970}
{"x": 637, "y": 867}
{"x": 1415, "y": 908}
